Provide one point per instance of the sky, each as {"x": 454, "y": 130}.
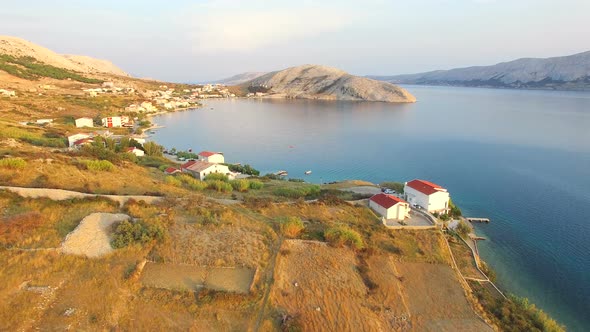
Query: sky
{"x": 197, "y": 41}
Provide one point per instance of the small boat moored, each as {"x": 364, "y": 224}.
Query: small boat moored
{"x": 307, "y": 172}
{"x": 282, "y": 173}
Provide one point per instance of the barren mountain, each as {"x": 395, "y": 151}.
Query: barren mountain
{"x": 18, "y": 47}
{"x": 321, "y": 82}
{"x": 565, "y": 72}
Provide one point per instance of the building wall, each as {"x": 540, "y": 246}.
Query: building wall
{"x": 216, "y": 159}
{"x": 84, "y": 122}
{"x": 76, "y": 137}
{"x": 400, "y": 211}
{"x": 115, "y": 122}
{"x": 213, "y": 169}
{"x": 437, "y": 202}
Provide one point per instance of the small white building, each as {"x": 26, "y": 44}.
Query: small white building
{"x": 112, "y": 122}
{"x": 84, "y": 122}
{"x": 429, "y": 196}
{"x": 136, "y": 151}
{"x": 200, "y": 169}
{"x": 75, "y": 138}
{"x": 390, "y": 207}
{"x": 211, "y": 157}
{"x": 44, "y": 121}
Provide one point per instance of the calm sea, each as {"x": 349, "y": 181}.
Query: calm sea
{"x": 521, "y": 158}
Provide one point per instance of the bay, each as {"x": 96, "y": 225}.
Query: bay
{"x": 521, "y": 158}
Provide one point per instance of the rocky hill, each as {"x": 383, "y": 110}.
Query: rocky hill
{"x": 321, "y": 82}
{"x": 565, "y": 72}
{"x": 18, "y": 48}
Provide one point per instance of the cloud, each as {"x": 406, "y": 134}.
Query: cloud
{"x": 215, "y": 29}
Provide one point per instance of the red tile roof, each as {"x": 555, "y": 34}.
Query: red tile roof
{"x": 207, "y": 153}
{"x": 171, "y": 170}
{"x": 83, "y": 141}
{"x": 425, "y": 187}
{"x": 386, "y": 201}
{"x": 186, "y": 165}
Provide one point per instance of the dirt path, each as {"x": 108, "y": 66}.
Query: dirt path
{"x": 270, "y": 281}
{"x": 61, "y": 195}
{"x": 91, "y": 238}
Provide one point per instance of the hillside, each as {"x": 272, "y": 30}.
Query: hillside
{"x": 18, "y": 48}
{"x": 240, "y": 78}
{"x": 321, "y": 82}
{"x": 565, "y": 72}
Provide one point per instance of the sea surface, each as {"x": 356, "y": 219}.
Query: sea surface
{"x": 520, "y": 158}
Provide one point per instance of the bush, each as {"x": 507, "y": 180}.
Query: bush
{"x": 291, "y": 226}
{"x": 256, "y": 185}
{"x": 192, "y": 183}
{"x": 128, "y": 233}
{"x": 13, "y": 163}
{"x": 153, "y": 149}
{"x": 455, "y": 211}
{"x": 340, "y": 236}
{"x": 240, "y": 185}
{"x": 463, "y": 229}
{"x": 246, "y": 169}
{"x": 219, "y": 186}
{"x": 300, "y": 192}
{"x": 296, "y": 180}
{"x": 216, "y": 177}
{"x": 171, "y": 180}
{"x": 98, "y": 165}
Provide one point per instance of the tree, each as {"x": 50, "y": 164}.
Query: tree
{"x": 153, "y": 149}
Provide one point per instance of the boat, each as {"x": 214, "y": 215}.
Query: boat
{"x": 282, "y": 173}
{"x": 307, "y": 172}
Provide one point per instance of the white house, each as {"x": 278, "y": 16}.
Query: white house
{"x": 200, "y": 169}
{"x": 427, "y": 195}
{"x": 44, "y": 121}
{"x": 76, "y": 137}
{"x": 84, "y": 122}
{"x": 112, "y": 122}
{"x": 390, "y": 207}
{"x": 136, "y": 151}
{"x": 211, "y": 157}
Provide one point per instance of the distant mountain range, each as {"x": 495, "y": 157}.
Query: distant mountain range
{"x": 564, "y": 73}
{"x": 321, "y": 82}
{"x": 240, "y": 78}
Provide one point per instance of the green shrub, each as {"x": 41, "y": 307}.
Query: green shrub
{"x": 463, "y": 229}
{"x": 173, "y": 181}
{"x": 219, "y": 186}
{"x": 216, "y": 177}
{"x": 240, "y": 185}
{"x": 128, "y": 233}
{"x": 291, "y": 227}
{"x": 340, "y": 236}
{"x": 13, "y": 163}
{"x": 99, "y": 165}
{"x": 455, "y": 211}
{"x": 299, "y": 192}
{"x": 29, "y": 68}
{"x": 256, "y": 185}
{"x": 192, "y": 183}
{"x": 47, "y": 142}
{"x": 245, "y": 169}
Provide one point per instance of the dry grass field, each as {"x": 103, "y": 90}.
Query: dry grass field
{"x": 322, "y": 288}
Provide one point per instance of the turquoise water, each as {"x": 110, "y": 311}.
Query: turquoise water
{"x": 521, "y": 158}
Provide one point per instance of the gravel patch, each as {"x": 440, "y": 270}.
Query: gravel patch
{"x": 91, "y": 238}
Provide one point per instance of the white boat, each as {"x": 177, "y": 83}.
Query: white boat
{"x": 307, "y": 172}
{"x": 282, "y": 173}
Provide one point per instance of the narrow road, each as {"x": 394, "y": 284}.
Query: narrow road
{"x": 269, "y": 282}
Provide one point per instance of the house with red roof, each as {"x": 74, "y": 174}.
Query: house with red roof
{"x": 211, "y": 157}
{"x": 200, "y": 169}
{"x": 390, "y": 207}
{"x": 171, "y": 170}
{"x": 427, "y": 195}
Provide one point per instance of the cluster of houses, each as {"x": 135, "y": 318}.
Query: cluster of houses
{"x": 421, "y": 194}
{"x": 207, "y": 162}
{"x": 109, "y": 87}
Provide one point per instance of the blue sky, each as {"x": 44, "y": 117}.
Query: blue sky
{"x": 205, "y": 40}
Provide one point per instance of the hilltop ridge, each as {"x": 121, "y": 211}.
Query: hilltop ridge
{"x": 18, "y": 47}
